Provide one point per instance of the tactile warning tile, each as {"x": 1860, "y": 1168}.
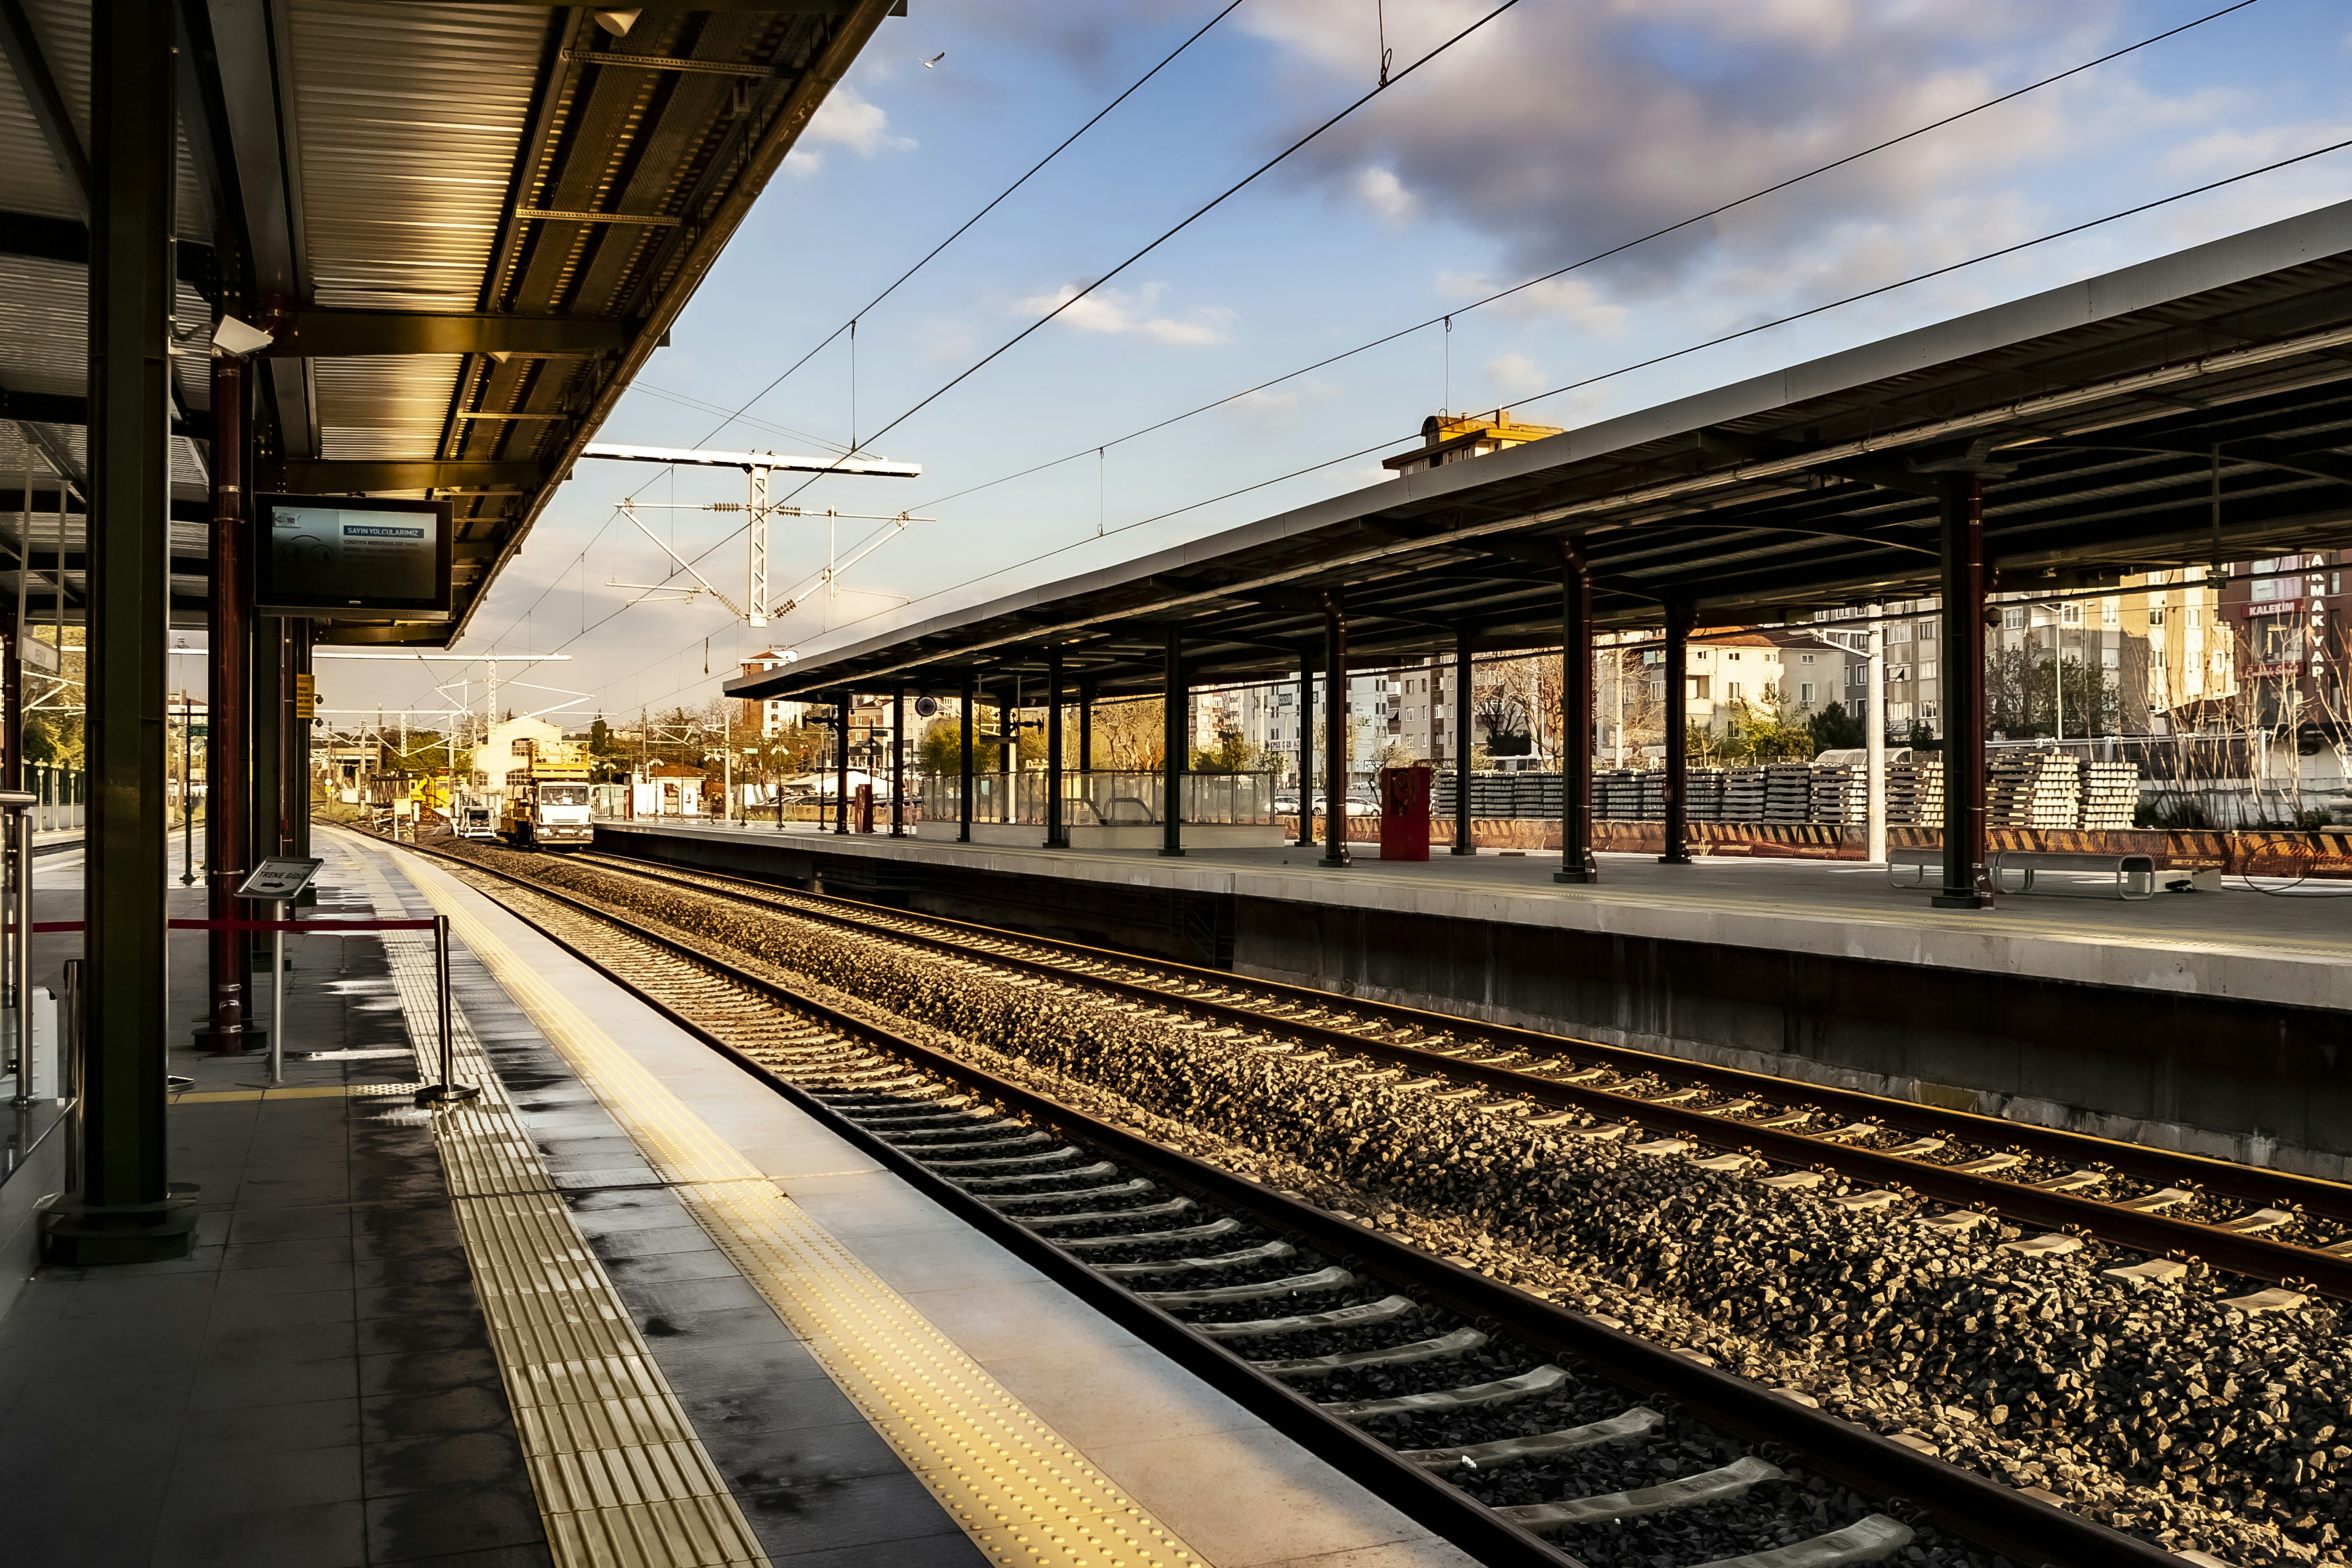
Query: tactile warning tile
{"x": 622, "y": 1480}
{"x": 298, "y": 1091}
{"x": 1023, "y": 1494}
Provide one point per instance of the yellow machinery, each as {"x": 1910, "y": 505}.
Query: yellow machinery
{"x": 546, "y": 801}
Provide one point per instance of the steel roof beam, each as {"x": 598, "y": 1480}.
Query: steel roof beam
{"x": 341, "y": 334}
{"x": 64, "y": 408}
{"x": 310, "y": 475}
{"x": 22, "y": 47}
{"x": 66, "y": 240}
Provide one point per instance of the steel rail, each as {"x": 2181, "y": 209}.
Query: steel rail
{"x": 2256, "y": 1257}
{"x": 2001, "y": 1518}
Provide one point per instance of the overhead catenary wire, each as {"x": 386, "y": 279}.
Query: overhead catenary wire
{"x": 1615, "y": 250}
{"x": 1195, "y": 216}
{"x": 1655, "y": 360}
{"x": 1445, "y": 319}
{"x": 1605, "y": 375}
{"x": 1164, "y": 236}
{"x": 850, "y": 326}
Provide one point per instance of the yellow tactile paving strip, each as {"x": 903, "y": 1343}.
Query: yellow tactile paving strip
{"x": 298, "y": 1091}
{"x": 1026, "y": 1497}
{"x": 621, "y": 1478}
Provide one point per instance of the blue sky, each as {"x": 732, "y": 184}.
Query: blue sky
{"x": 1562, "y": 128}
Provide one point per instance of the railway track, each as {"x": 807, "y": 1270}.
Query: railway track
{"x": 1523, "y": 1431}
{"x": 2290, "y": 1232}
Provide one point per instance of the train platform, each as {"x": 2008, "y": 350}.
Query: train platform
{"x": 628, "y": 1307}
{"x": 2201, "y": 1021}
{"x": 2257, "y": 943}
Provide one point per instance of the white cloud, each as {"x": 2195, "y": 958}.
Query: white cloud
{"x": 849, "y": 121}
{"x": 1562, "y": 131}
{"x": 1515, "y": 375}
{"x": 1382, "y": 192}
{"x": 1575, "y": 302}
{"x": 1119, "y": 312}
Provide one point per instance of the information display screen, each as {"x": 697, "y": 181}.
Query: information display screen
{"x": 322, "y": 554}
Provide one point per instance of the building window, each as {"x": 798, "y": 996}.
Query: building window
{"x": 2156, "y": 615}
{"x": 2108, "y": 658}
{"x": 2069, "y": 614}
{"x": 1733, "y": 656}
{"x": 1927, "y": 711}
{"x": 2013, "y": 618}
{"x": 2111, "y": 613}
{"x": 1805, "y": 693}
{"x": 1804, "y": 659}
{"x": 1899, "y": 632}
{"x": 1731, "y": 689}
{"x": 1928, "y": 634}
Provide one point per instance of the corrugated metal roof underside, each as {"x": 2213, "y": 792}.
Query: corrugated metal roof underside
{"x": 410, "y": 118}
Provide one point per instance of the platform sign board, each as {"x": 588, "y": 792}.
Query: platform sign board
{"x": 37, "y": 655}
{"x": 279, "y": 879}
{"x": 325, "y": 556}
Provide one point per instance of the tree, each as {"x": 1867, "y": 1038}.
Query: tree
{"x": 1835, "y": 730}
{"x": 1231, "y": 754}
{"x": 1130, "y": 737}
{"x": 941, "y": 751}
{"x": 2022, "y": 690}
{"x": 1766, "y": 731}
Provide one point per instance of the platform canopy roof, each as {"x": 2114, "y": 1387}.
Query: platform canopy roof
{"x": 468, "y": 224}
{"x": 2102, "y": 419}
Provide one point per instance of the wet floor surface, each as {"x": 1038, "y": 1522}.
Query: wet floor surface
{"x": 313, "y": 1387}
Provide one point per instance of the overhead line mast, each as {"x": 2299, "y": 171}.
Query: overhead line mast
{"x": 756, "y": 467}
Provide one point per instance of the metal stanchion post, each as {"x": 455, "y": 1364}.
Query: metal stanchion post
{"x": 20, "y": 976}
{"x": 278, "y": 997}
{"x": 69, "y": 1045}
{"x": 448, "y": 1090}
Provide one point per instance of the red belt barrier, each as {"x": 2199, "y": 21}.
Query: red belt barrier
{"x": 295, "y": 926}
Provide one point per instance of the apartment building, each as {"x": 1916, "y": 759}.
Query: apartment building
{"x": 1728, "y": 671}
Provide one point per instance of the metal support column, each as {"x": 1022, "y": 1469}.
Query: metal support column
{"x": 300, "y": 693}
{"x": 127, "y": 1212}
{"x": 1966, "y": 886}
{"x": 267, "y": 683}
{"x": 898, "y": 760}
{"x": 1462, "y": 672}
{"x": 1086, "y": 726}
{"x": 1680, "y": 613}
{"x": 963, "y": 808}
{"x": 1057, "y": 831}
{"x": 841, "y": 765}
{"x": 229, "y": 626}
{"x": 1575, "y": 862}
{"x": 1174, "y": 732}
{"x": 1335, "y": 731}
{"x": 1874, "y": 733}
{"x": 1306, "y": 750}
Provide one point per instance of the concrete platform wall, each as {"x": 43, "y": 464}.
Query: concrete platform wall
{"x": 2255, "y": 1081}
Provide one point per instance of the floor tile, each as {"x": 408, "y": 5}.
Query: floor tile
{"x": 325, "y": 1535}
{"x": 451, "y": 1520}
{"x": 217, "y": 1480}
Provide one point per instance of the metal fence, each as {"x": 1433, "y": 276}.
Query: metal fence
{"x": 1103, "y": 799}
{"x": 58, "y": 791}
